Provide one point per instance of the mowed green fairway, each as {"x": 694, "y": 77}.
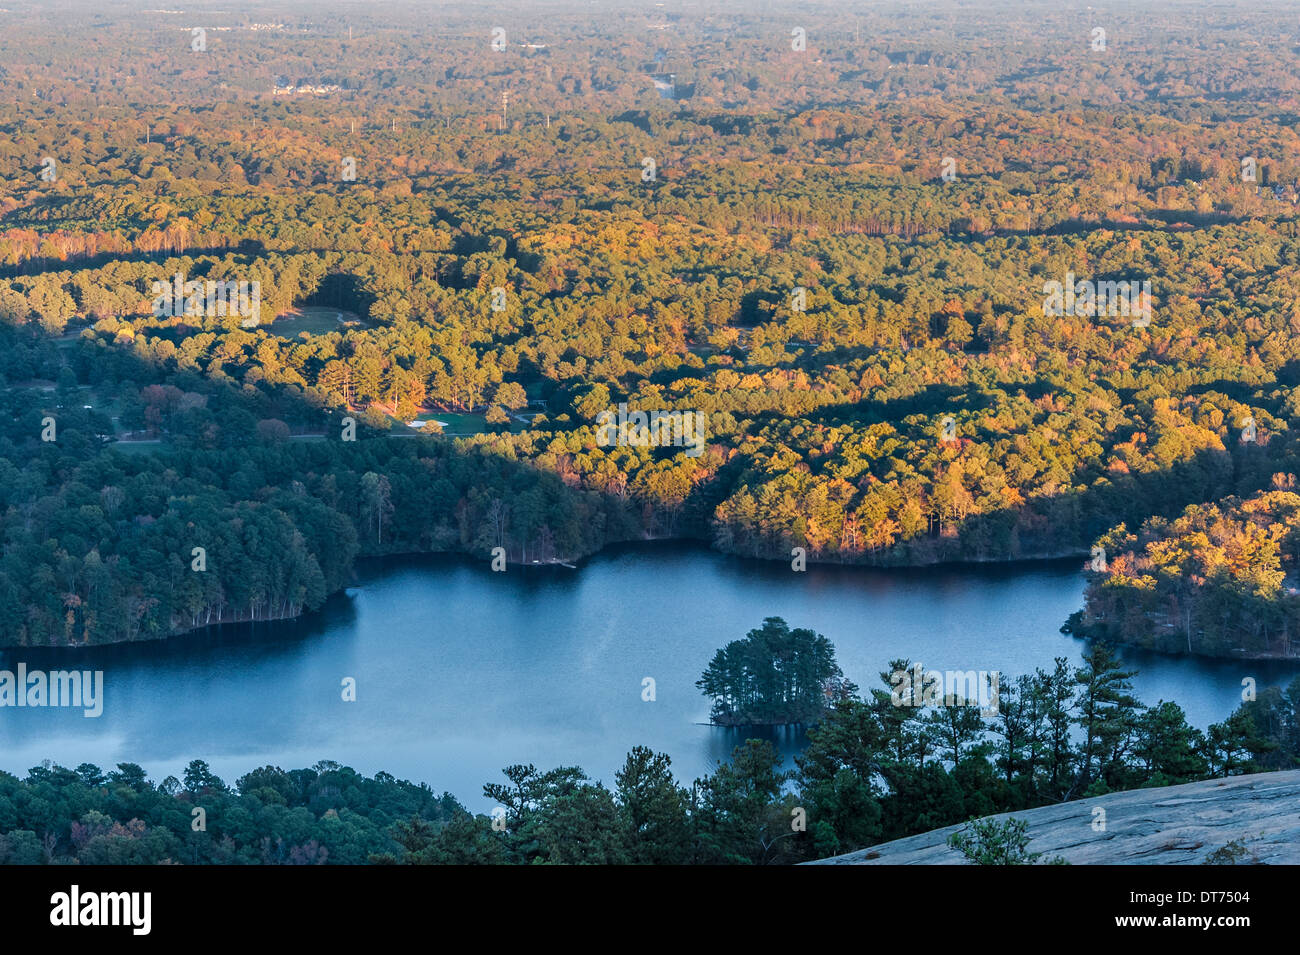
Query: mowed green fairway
{"x": 454, "y": 424}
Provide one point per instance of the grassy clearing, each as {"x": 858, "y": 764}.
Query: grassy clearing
{"x": 312, "y": 319}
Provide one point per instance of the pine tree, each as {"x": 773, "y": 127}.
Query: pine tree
{"x": 1106, "y": 712}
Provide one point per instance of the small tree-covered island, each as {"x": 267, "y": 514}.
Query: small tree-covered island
{"x": 773, "y": 677}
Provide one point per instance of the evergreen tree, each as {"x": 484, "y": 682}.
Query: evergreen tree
{"x": 1107, "y": 714}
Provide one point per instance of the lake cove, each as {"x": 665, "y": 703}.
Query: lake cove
{"x": 460, "y": 671}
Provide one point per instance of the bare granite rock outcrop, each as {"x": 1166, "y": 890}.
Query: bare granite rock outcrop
{"x": 1174, "y": 825}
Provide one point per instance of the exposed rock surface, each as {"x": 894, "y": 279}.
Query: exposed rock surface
{"x": 1175, "y": 825}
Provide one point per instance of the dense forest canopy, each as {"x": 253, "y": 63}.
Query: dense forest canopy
{"x": 831, "y": 246}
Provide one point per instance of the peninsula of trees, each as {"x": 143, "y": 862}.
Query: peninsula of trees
{"x": 1219, "y": 580}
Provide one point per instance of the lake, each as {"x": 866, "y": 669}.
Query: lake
{"x": 460, "y": 671}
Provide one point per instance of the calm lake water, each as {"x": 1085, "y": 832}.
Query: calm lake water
{"x": 460, "y": 671}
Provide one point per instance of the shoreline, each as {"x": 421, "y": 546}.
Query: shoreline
{"x": 578, "y": 563}
{"x": 573, "y": 562}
